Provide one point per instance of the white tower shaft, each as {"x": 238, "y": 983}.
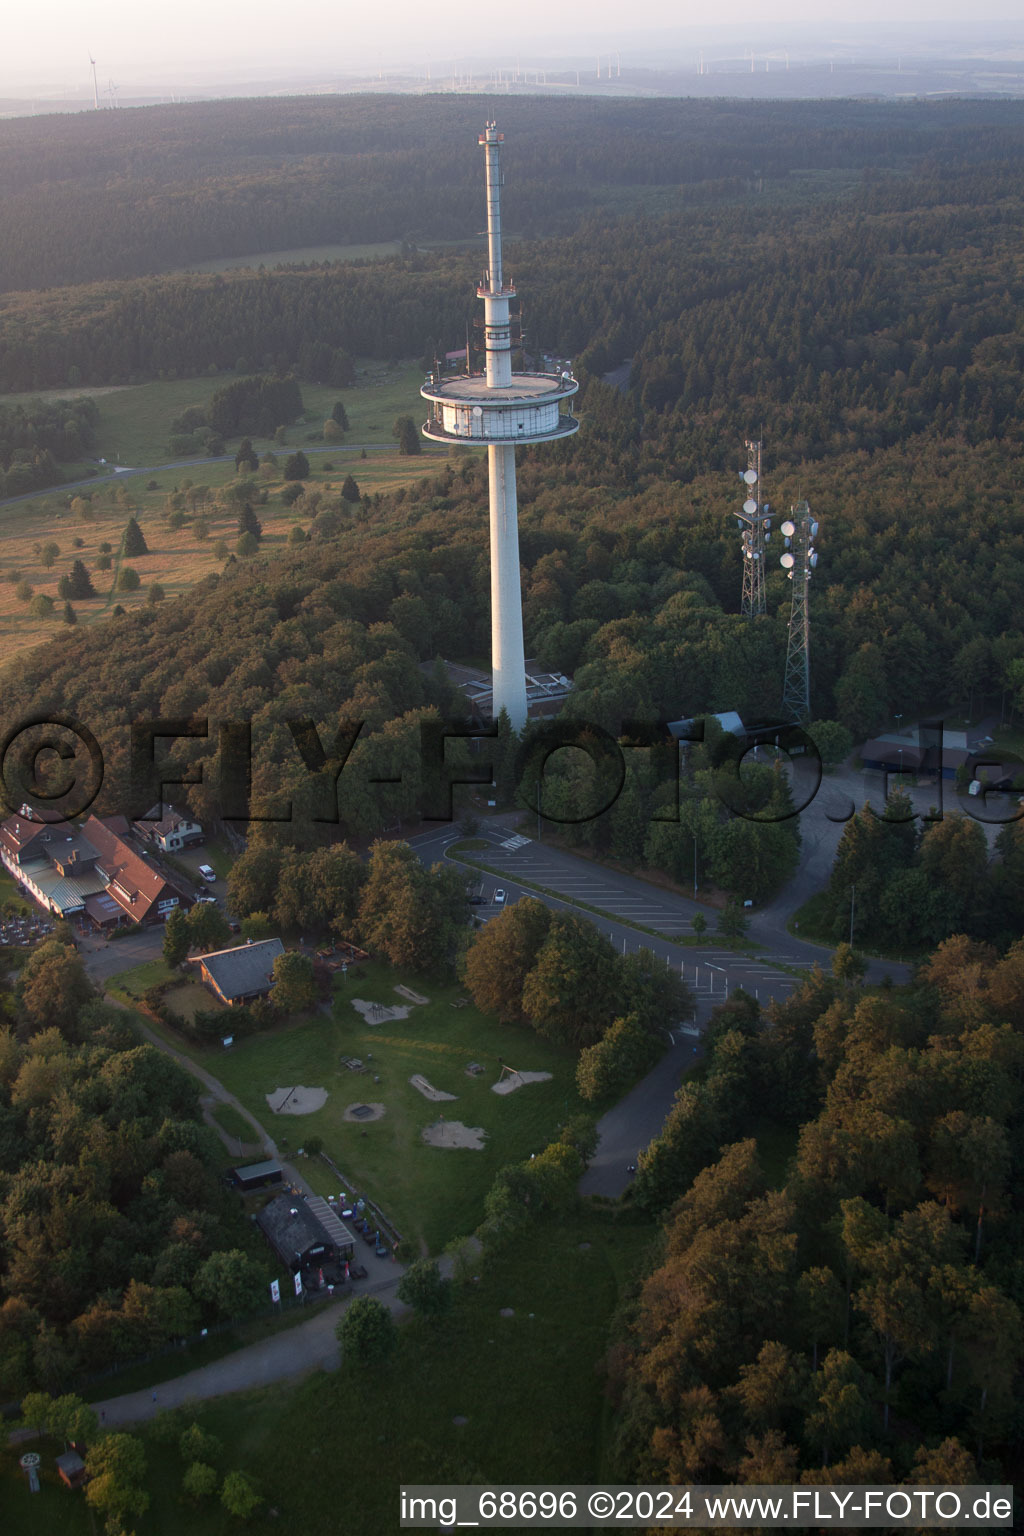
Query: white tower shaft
{"x": 508, "y": 661}
{"x": 508, "y": 664}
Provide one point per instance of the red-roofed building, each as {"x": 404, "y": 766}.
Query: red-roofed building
{"x": 89, "y": 869}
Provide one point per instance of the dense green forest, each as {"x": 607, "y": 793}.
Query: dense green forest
{"x": 98, "y": 195}
{"x": 36, "y": 439}
{"x": 116, "y": 1234}
{"x": 857, "y": 1319}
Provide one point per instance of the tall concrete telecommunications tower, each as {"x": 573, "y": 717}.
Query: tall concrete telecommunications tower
{"x": 500, "y": 408}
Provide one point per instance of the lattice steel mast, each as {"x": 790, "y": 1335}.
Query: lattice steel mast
{"x": 755, "y": 524}
{"x": 799, "y": 561}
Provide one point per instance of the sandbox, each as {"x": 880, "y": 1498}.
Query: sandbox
{"x": 428, "y": 1090}
{"x": 510, "y": 1081}
{"x": 297, "y": 1101}
{"x": 452, "y": 1133}
{"x": 379, "y": 1013}
{"x": 363, "y": 1112}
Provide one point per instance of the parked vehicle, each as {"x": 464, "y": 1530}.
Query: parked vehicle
{"x": 499, "y": 898}
{"x": 207, "y": 873}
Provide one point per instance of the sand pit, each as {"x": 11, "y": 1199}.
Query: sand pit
{"x": 357, "y": 1112}
{"x": 377, "y": 1013}
{"x": 414, "y": 997}
{"x": 428, "y": 1090}
{"x": 452, "y": 1133}
{"x": 297, "y": 1101}
{"x": 513, "y": 1080}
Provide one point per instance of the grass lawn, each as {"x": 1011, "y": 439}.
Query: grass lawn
{"x": 131, "y": 985}
{"x": 432, "y": 1193}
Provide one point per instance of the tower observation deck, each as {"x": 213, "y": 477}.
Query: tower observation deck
{"x": 500, "y": 409}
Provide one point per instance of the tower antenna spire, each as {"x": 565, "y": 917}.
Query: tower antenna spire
{"x": 500, "y": 409}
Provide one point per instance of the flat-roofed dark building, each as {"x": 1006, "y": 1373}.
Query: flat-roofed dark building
{"x": 256, "y": 1175}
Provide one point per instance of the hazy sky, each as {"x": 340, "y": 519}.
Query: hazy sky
{"x": 136, "y": 43}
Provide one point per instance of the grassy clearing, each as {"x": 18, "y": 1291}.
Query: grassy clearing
{"x": 305, "y": 255}
{"x": 432, "y": 1193}
{"x": 135, "y": 420}
{"x": 298, "y": 256}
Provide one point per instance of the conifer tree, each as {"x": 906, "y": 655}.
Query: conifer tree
{"x": 80, "y": 582}
{"x": 133, "y": 542}
{"x": 248, "y": 522}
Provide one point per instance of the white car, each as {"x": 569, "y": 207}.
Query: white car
{"x": 499, "y": 898}
{"x": 207, "y": 873}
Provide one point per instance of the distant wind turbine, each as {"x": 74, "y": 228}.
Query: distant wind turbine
{"x": 95, "y": 87}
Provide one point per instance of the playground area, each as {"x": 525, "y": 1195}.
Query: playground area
{"x": 328, "y": 1070}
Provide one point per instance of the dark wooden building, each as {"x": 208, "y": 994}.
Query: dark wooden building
{"x": 304, "y": 1232}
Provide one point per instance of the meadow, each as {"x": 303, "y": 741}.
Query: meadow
{"x": 133, "y": 429}
{"x": 433, "y": 1194}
